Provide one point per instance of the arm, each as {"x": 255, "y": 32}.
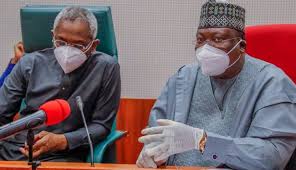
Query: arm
{"x": 268, "y": 144}
{"x": 271, "y": 136}
{"x": 6, "y": 73}
{"x": 18, "y": 53}
{"x": 103, "y": 116}
{"x": 104, "y": 112}
{"x": 12, "y": 93}
{"x": 159, "y": 108}
{"x": 159, "y": 111}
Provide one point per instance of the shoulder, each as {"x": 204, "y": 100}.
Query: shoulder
{"x": 186, "y": 73}
{"x": 105, "y": 63}
{"x": 102, "y": 58}
{"x": 275, "y": 85}
{"x": 270, "y": 72}
{"x": 278, "y": 82}
{"x": 37, "y": 56}
{"x": 267, "y": 69}
{"x": 193, "y": 67}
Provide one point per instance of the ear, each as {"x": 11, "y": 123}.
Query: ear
{"x": 95, "y": 44}
{"x": 52, "y": 36}
{"x": 52, "y": 33}
{"x": 243, "y": 46}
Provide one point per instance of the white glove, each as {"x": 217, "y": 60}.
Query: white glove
{"x": 172, "y": 138}
{"x": 145, "y": 161}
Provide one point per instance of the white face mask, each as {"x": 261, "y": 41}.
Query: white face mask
{"x": 214, "y": 61}
{"x": 69, "y": 58}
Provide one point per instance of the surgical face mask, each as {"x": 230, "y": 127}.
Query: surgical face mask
{"x": 214, "y": 61}
{"x": 69, "y": 58}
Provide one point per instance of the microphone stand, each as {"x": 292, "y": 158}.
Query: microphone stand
{"x": 30, "y": 142}
{"x": 80, "y": 107}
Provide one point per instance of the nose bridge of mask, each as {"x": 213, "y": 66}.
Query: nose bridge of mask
{"x": 71, "y": 50}
{"x": 213, "y": 49}
{"x": 64, "y": 52}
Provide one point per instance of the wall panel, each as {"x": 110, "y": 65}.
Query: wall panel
{"x": 132, "y": 117}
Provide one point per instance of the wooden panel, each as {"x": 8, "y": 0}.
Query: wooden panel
{"x": 132, "y": 117}
{"x": 20, "y": 165}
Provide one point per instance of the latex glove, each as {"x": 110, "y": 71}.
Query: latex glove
{"x": 145, "y": 161}
{"x": 46, "y": 142}
{"x": 173, "y": 137}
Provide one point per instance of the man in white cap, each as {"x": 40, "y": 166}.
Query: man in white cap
{"x": 228, "y": 110}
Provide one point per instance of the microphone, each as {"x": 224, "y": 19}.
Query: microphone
{"x": 80, "y": 106}
{"x": 50, "y": 113}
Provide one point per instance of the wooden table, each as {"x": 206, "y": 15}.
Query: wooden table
{"x": 20, "y": 165}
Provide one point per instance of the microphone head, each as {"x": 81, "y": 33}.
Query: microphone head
{"x": 56, "y": 111}
{"x": 79, "y": 102}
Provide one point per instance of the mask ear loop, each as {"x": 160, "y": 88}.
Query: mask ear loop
{"x": 234, "y": 61}
{"x": 89, "y": 46}
{"x": 239, "y": 55}
{"x": 235, "y": 46}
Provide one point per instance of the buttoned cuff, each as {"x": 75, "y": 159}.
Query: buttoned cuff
{"x": 217, "y": 147}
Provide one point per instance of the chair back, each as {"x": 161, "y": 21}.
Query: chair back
{"x": 275, "y": 44}
{"x": 37, "y": 23}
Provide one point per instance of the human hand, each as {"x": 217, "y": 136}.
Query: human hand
{"x": 46, "y": 142}
{"x": 19, "y": 51}
{"x": 172, "y": 137}
{"x": 145, "y": 161}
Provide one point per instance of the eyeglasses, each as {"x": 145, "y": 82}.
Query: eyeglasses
{"x": 215, "y": 41}
{"x": 59, "y": 43}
